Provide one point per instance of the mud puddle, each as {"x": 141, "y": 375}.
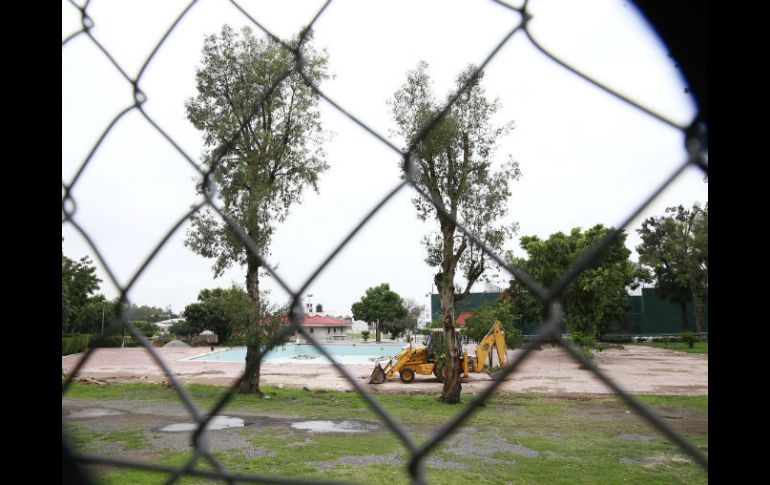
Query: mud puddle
{"x": 333, "y": 426}
{"x": 94, "y": 413}
{"x": 219, "y": 422}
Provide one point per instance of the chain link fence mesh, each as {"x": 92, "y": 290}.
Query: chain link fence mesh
{"x": 697, "y": 148}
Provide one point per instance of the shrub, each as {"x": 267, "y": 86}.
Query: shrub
{"x": 365, "y": 335}
{"x": 513, "y": 338}
{"x": 114, "y": 341}
{"x": 586, "y": 342}
{"x": 148, "y": 329}
{"x": 688, "y": 338}
{"x": 583, "y": 340}
{"x": 72, "y": 344}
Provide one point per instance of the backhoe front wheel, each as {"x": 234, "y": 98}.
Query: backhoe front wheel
{"x": 407, "y": 375}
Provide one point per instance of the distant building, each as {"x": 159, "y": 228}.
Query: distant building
{"x": 323, "y": 326}
{"x": 463, "y": 308}
{"x": 326, "y": 327}
{"x": 165, "y": 325}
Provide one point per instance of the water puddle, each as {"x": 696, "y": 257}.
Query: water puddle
{"x": 94, "y": 413}
{"x": 332, "y": 426}
{"x": 219, "y": 422}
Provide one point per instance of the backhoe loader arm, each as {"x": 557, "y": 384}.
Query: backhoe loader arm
{"x": 495, "y": 337}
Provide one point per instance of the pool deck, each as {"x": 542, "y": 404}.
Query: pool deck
{"x": 636, "y": 368}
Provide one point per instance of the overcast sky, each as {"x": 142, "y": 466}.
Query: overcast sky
{"x": 586, "y": 158}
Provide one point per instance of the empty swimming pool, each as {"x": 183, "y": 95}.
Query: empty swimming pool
{"x": 350, "y": 354}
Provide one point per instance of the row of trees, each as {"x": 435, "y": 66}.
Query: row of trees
{"x": 263, "y": 136}
{"x": 673, "y": 255}
{"x": 85, "y": 311}
{"x": 224, "y": 311}
{"x": 261, "y": 126}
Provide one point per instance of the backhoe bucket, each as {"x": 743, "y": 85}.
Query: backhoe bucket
{"x": 378, "y": 375}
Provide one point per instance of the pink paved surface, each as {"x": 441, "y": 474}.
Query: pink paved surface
{"x": 636, "y": 368}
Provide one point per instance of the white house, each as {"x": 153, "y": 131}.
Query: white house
{"x": 323, "y": 327}
{"x": 166, "y": 324}
{"x": 359, "y": 326}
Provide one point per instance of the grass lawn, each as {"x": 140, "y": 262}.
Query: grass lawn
{"x": 515, "y": 438}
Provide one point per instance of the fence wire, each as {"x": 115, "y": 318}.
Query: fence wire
{"x": 696, "y": 140}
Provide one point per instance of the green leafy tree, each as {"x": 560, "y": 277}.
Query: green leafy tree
{"x": 205, "y": 316}
{"x": 454, "y": 162}
{"x": 264, "y": 171}
{"x": 365, "y": 335}
{"x": 380, "y": 306}
{"x": 78, "y": 282}
{"x": 186, "y": 329}
{"x": 221, "y": 310}
{"x": 524, "y": 307}
{"x": 149, "y": 313}
{"x": 616, "y": 308}
{"x": 97, "y": 312}
{"x": 484, "y": 316}
{"x": 408, "y": 322}
{"x": 148, "y": 329}
{"x": 675, "y": 249}
{"x": 597, "y": 292}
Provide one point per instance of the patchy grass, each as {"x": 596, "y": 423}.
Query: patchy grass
{"x": 131, "y": 390}
{"x": 85, "y": 440}
{"x": 119, "y": 476}
{"x": 515, "y": 438}
{"x": 696, "y": 403}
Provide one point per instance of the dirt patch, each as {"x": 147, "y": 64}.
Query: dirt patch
{"x": 638, "y": 369}
{"x": 634, "y": 437}
{"x": 466, "y": 446}
{"x": 655, "y": 460}
{"x": 93, "y": 413}
{"x": 389, "y": 459}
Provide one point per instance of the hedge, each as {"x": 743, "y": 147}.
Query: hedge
{"x": 72, "y": 344}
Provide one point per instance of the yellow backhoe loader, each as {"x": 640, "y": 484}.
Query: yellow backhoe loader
{"x": 416, "y": 360}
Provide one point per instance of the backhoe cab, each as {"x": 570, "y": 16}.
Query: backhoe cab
{"x": 417, "y": 360}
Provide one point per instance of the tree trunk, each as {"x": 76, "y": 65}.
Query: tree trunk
{"x": 250, "y": 383}
{"x": 452, "y": 387}
{"x": 685, "y": 322}
{"x": 624, "y": 324}
{"x": 377, "y": 331}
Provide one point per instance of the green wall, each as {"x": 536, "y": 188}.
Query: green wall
{"x": 649, "y": 313}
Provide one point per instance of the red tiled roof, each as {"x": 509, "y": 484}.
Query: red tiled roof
{"x": 325, "y": 321}
{"x": 463, "y": 316}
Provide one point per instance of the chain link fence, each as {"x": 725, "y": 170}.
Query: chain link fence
{"x": 697, "y": 148}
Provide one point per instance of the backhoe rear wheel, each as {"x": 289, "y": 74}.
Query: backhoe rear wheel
{"x": 406, "y": 375}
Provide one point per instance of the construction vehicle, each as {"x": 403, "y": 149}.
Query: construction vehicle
{"x": 418, "y": 360}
